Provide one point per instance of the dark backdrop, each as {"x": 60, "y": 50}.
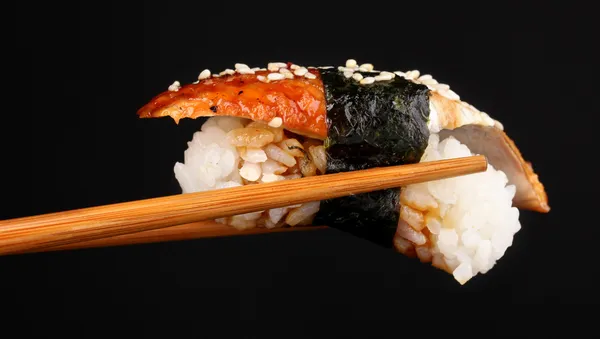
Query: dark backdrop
{"x": 71, "y": 139}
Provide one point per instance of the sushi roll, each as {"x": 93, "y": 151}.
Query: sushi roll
{"x": 287, "y": 121}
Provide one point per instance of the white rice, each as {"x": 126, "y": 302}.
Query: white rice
{"x": 463, "y": 224}
{"x": 212, "y": 162}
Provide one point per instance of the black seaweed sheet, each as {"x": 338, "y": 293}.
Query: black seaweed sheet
{"x": 375, "y": 125}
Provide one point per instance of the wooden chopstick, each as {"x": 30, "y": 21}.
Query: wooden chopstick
{"x": 194, "y": 230}
{"x": 62, "y": 228}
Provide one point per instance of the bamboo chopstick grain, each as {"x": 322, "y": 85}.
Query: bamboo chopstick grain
{"x": 195, "y": 230}
{"x": 62, "y": 228}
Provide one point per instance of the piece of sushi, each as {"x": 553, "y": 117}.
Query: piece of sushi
{"x": 287, "y": 121}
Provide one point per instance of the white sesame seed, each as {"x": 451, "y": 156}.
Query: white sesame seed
{"x": 428, "y": 81}
{"x": 275, "y": 76}
{"x": 383, "y": 77}
{"x": 228, "y": 71}
{"x": 450, "y": 94}
{"x": 289, "y": 76}
{"x": 326, "y": 67}
{"x": 294, "y": 67}
{"x": 205, "y": 74}
{"x": 262, "y": 69}
{"x": 388, "y": 73}
{"x": 310, "y": 76}
{"x": 195, "y": 82}
{"x": 412, "y": 74}
{"x": 262, "y": 78}
{"x": 238, "y": 66}
{"x": 357, "y": 76}
{"x": 425, "y": 77}
{"x": 245, "y": 71}
{"x": 368, "y": 67}
{"x": 351, "y": 63}
{"x": 255, "y": 69}
{"x": 400, "y": 74}
{"x": 442, "y": 87}
{"x": 367, "y": 80}
{"x": 284, "y": 70}
{"x": 300, "y": 71}
{"x": 175, "y": 86}
{"x": 363, "y": 69}
{"x": 275, "y": 66}
{"x": 216, "y": 75}
{"x": 348, "y": 74}
{"x": 341, "y": 68}
{"x": 275, "y": 122}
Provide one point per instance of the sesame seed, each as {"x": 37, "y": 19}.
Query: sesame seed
{"x": 300, "y": 71}
{"x": 383, "y": 77}
{"x": 348, "y": 74}
{"x": 239, "y": 66}
{"x": 205, "y": 74}
{"x": 388, "y": 73}
{"x": 442, "y": 87}
{"x": 367, "y": 80}
{"x": 368, "y": 67}
{"x": 175, "y": 86}
{"x": 245, "y": 71}
{"x": 400, "y": 74}
{"x": 326, "y": 67}
{"x": 425, "y": 77}
{"x": 351, "y": 63}
{"x": 428, "y": 81}
{"x": 275, "y": 66}
{"x": 341, "y": 68}
{"x": 284, "y": 70}
{"x": 262, "y": 69}
{"x": 357, "y": 76}
{"x": 294, "y": 67}
{"x": 412, "y": 74}
{"x": 195, "y": 82}
{"x": 216, "y": 75}
{"x": 450, "y": 94}
{"x": 289, "y": 75}
{"x": 310, "y": 76}
{"x": 275, "y": 76}
{"x": 275, "y": 122}
{"x": 255, "y": 69}
{"x": 262, "y": 78}
{"x": 227, "y": 71}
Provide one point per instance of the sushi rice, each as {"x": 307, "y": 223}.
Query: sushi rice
{"x": 230, "y": 152}
{"x": 461, "y": 225}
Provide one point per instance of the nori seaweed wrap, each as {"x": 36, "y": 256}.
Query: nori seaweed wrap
{"x": 374, "y": 125}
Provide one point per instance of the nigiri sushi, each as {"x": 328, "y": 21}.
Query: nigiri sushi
{"x": 287, "y": 121}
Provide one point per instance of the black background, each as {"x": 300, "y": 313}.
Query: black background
{"x": 70, "y": 138}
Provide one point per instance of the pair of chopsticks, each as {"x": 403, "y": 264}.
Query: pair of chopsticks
{"x": 184, "y": 216}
